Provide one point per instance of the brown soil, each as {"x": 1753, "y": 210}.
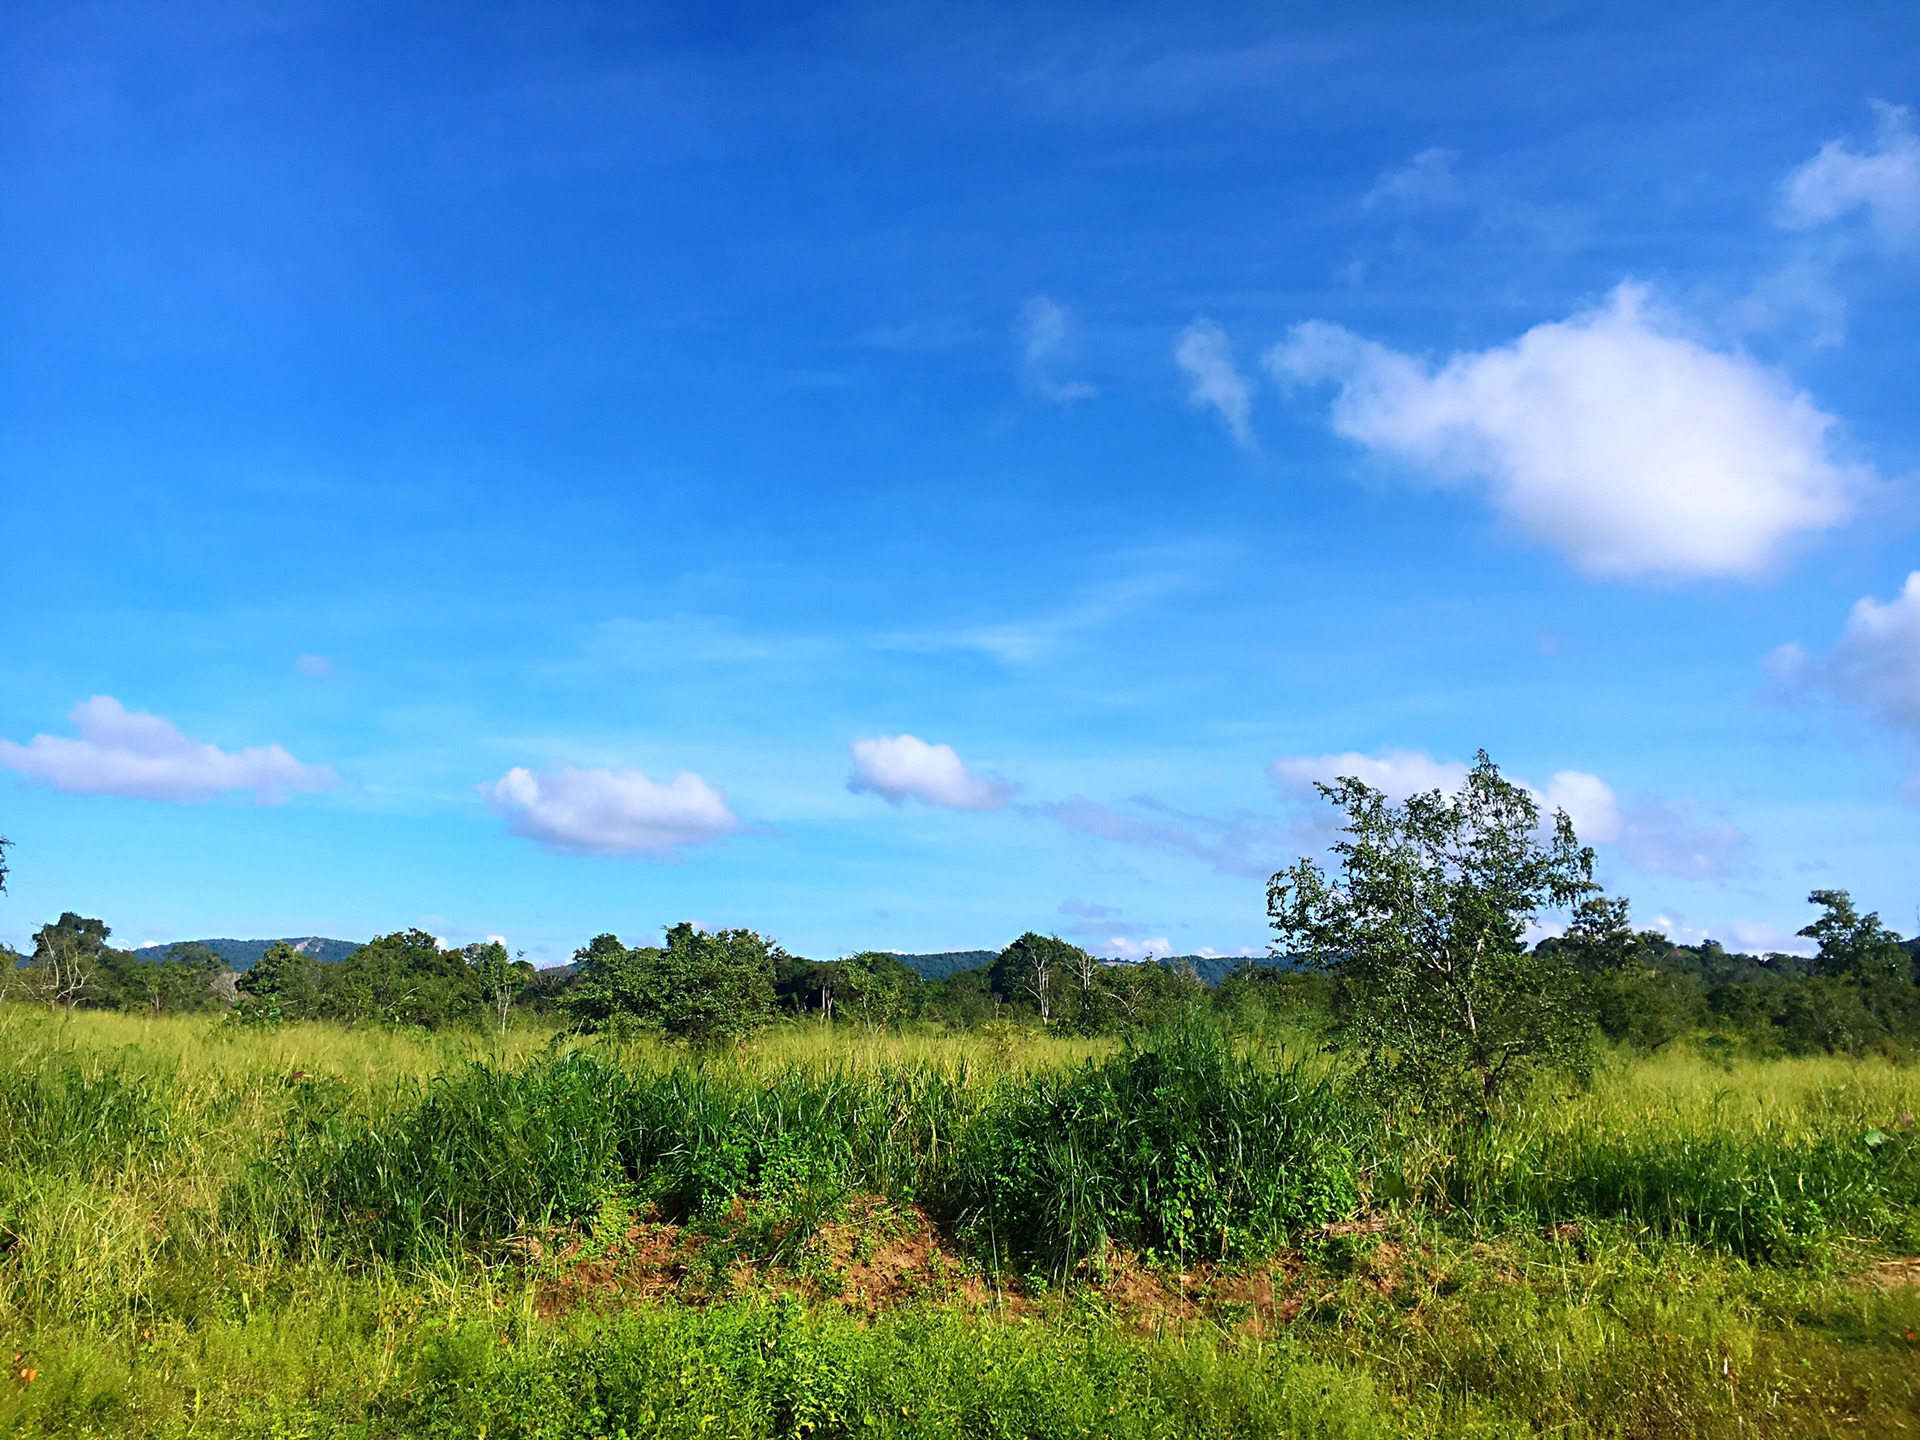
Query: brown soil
{"x": 877, "y": 1258}
{"x": 1892, "y": 1274}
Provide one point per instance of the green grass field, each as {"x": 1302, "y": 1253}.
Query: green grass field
{"x": 207, "y": 1229}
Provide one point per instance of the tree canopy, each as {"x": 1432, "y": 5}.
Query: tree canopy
{"x": 1424, "y": 927}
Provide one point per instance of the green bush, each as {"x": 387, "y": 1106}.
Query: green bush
{"x": 1177, "y": 1147}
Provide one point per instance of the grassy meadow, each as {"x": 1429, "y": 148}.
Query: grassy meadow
{"x": 209, "y": 1228}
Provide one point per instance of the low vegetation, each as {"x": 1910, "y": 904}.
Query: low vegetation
{"x": 1417, "y": 1179}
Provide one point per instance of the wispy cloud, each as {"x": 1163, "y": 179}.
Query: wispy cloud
{"x": 1239, "y": 842}
{"x": 133, "y": 754}
{"x": 1047, "y": 344}
{"x": 609, "y": 812}
{"x": 1107, "y": 933}
{"x": 1882, "y": 183}
{"x": 1613, "y": 436}
{"x": 1874, "y": 665}
{"x": 1426, "y": 182}
{"x": 1204, "y": 353}
{"x": 1038, "y": 638}
{"x": 899, "y": 768}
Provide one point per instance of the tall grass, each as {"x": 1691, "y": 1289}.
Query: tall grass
{"x": 1767, "y": 1162}
{"x": 1179, "y": 1147}
{"x": 184, "y": 1206}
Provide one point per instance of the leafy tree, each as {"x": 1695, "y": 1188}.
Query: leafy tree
{"x": 284, "y": 984}
{"x": 4, "y": 843}
{"x": 1145, "y": 996}
{"x": 1423, "y": 929}
{"x": 1636, "y": 995}
{"x": 710, "y": 988}
{"x": 707, "y": 988}
{"x": 963, "y": 999}
{"x": 401, "y": 979}
{"x": 1255, "y": 993}
{"x": 1824, "y": 1013}
{"x": 185, "y": 979}
{"x": 1854, "y": 946}
{"x": 1034, "y": 969}
{"x": 612, "y": 985}
{"x": 67, "y": 959}
{"x": 1644, "y": 1008}
{"x": 879, "y": 989}
{"x": 500, "y": 979}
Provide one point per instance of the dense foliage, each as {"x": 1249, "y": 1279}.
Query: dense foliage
{"x": 1424, "y": 927}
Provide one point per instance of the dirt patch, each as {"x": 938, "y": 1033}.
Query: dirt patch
{"x": 875, "y": 1257}
{"x": 1892, "y": 1274}
{"x": 647, "y": 1263}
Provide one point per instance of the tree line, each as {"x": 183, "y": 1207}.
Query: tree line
{"x": 1409, "y": 949}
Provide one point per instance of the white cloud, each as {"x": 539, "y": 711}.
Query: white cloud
{"x": 1875, "y": 664}
{"x": 1204, "y": 353}
{"x": 1757, "y": 937}
{"x": 1120, "y": 947}
{"x": 1655, "y": 835}
{"x": 1883, "y": 181}
{"x": 1589, "y": 802}
{"x": 1751, "y": 936}
{"x": 1396, "y": 773}
{"x": 1046, "y": 341}
{"x": 899, "y": 768}
{"x": 1426, "y": 182}
{"x": 145, "y": 757}
{"x": 609, "y": 812}
{"x": 1612, "y": 436}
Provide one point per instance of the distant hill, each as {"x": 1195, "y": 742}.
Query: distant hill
{"x": 940, "y": 965}
{"x": 241, "y": 954}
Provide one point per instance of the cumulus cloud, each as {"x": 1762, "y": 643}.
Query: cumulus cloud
{"x": 1655, "y": 835}
{"x": 1589, "y": 803}
{"x": 899, "y": 768}
{"x": 1426, "y": 182}
{"x": 609, "y": 812}
{"x": 1874, "y": 665}
{"x": 1626, "y": 444}
{"x": 1204, "y": 353}
{"x": 1884, "y": 182}
{"x": 139, "y": 756}
{"x": 1046, "y": 341}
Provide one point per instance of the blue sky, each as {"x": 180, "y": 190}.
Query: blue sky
{"x": 898, "y": 476}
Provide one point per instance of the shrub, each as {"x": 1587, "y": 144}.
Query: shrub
{"x": 1177, "y": 1147}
